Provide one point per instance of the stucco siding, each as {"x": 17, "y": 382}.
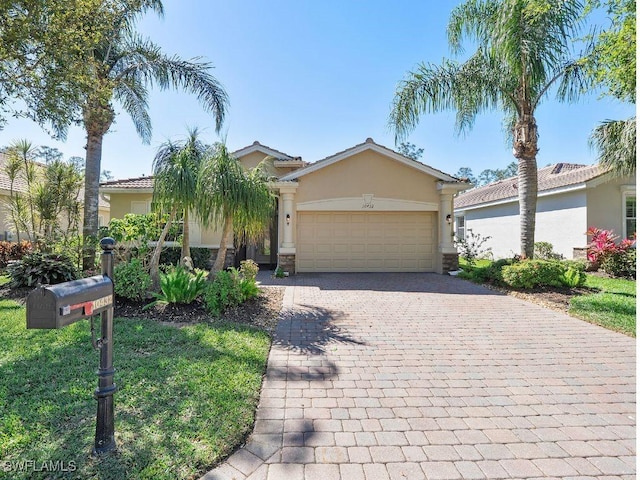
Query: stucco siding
{"x": 560, "y": 220}
{"x": 367, "y": 172}
{"x": 605, "y": 204}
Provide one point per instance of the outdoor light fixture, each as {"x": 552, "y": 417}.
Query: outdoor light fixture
{"x": 449, "y": 219}
{"x": 288, "y": 217}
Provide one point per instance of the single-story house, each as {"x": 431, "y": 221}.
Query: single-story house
{"x": 7, "y": 228}
{"x": 571, "y": 198}
{"x": 364, "y": 209}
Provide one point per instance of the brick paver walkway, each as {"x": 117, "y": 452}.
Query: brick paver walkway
{"x": 422, "y": 376}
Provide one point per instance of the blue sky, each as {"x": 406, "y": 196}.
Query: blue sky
{"x": 312, "y": 78}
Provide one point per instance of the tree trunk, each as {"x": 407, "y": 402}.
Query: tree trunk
{"x": 91, "y": 199}
{"x": 154, "y": 264}
{"x": 525, "y": 149}
{"x": 186, "y": 250}
{"x": 227, "y": 231}
{"x": 97, "y": 118}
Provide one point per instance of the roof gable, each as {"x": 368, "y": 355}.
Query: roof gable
{"x": 559, "y": 176}
{"x": 369, "y": 144}
{"x": 268, "y": 151}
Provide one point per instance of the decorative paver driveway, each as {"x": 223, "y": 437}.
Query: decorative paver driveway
{"x": 422, "y": 376}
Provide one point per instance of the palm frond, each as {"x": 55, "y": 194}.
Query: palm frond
{"x": 615, "y": 142}
{"x": 146, "y": 61}
{"x": 133, "y": 95}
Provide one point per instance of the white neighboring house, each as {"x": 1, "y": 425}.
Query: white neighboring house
{"x": 571, "y": 198}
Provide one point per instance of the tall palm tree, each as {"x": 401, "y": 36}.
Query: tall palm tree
{"x": 175, "y": 175}
{"x": 523, "y": 50}
{"x": 238, "y": 200}
{"x": 124, "y": 67}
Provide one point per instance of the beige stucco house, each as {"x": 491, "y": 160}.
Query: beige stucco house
{"x": 364, "y": 209}
{"x": 7, "y": 228}
{"x": 571, "y": 198}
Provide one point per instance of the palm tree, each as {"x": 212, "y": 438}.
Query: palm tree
{"x": 615, "y": 141}
{"x": 123, "y": 69}
{"x": 175, "y": 175}
{"x": 523, "y": 50}
{"x": 238, "y": 200}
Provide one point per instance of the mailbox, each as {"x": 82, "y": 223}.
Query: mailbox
{"x": 55, "y": 306}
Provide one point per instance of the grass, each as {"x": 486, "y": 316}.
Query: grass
{"x": 186, "y": 397}
{"x": 613, "y": 307}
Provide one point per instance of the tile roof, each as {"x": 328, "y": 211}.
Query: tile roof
{"x": 549, "y": 178}
{"x": 259, "y": 146}
{"x": 132, "y": 183}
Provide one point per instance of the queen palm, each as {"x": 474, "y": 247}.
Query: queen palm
{"x": 523, "y": 51}
{"x": 227, "y": 195}
{"x": 123, "y": 68}
{"x": 175, "y": 174}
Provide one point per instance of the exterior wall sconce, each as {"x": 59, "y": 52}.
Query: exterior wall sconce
{"x": 288, "y": 219}
{"x": 449, "y": 219}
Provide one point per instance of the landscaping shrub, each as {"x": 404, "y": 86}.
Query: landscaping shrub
{"x": 544, "y": 251}
{"x": 201, "y": 257}
{"x": 536, "y": 273}
{"x": 491, "y": 273}
{"x": 180, "y": 285}
{"x": 41, "y": 268}
{"x": 131, "y": 280}
{"x": 13, "y": 251}
{"x": 621, "y": 263}
{"x": 617, "y": 259}
{"x": 224, "y": 292}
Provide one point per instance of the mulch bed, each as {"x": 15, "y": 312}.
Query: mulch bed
{"x": 261, "y": 312}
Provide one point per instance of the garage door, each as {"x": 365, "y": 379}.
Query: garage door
{"x": 365, "y": 242}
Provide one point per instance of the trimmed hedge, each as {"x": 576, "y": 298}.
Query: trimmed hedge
{"x": 201, "y": 257}
{"x": 529, "y": 274}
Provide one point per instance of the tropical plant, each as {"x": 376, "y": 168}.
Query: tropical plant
{"x": 523, "y": 50}
{"x": 238, "y": 200}
{"x": 43, "y": 198}
{"x": 175, "y": 175}
{"x": 617, "y": 259}
{"x": 179, "y": 285}
{"x": 615, "y": 142}
{"x": 41, "y": 268}
{"x": 125, "y": 66}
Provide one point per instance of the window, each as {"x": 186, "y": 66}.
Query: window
{"x": 629, "y": 214}
{"x": 460, "y": 228}
{"x": 140, "y": 207}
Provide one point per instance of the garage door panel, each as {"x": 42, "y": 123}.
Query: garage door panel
{"x": 365, "y": 241}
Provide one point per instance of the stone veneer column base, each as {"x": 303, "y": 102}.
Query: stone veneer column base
{"x": 449, "y": 262}
{"x": 287, "y": 261}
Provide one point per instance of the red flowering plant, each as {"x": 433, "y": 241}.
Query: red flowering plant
{"x": 617, "y": 259}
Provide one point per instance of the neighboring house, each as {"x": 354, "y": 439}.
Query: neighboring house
{"x": 364, "y": 209}
{"x": 7, "y": 228}
{"x": 571, "y": 198}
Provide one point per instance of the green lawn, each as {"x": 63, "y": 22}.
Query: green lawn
{"x": 186, "y": 397}
{"x": 614, "y": 307}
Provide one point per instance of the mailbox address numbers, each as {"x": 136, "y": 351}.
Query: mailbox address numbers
{"x": 88, "y": 307}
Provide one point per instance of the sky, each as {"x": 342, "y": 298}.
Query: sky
{"x": 312, "y": 78}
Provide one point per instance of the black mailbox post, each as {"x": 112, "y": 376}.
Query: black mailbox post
{"x": 55, "y": 306}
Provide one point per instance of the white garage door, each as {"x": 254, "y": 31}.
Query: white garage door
{"x": 365, "y": 242}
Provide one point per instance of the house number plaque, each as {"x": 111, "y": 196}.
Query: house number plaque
{"x": 367, "y": 200}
